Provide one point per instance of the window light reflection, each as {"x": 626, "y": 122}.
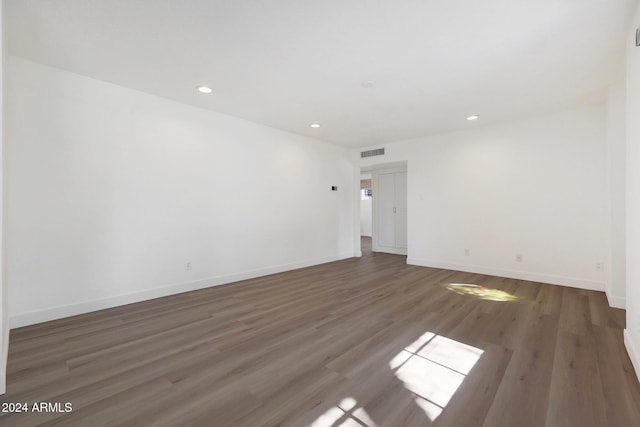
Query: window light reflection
{"x": 346, "y": 414}
{"x": 481, "y": 292}
{"x": 433, "y": 367}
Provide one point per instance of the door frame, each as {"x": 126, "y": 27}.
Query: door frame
{"x": 358, "y": 170}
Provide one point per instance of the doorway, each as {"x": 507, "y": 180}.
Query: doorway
{"x": 366, "y": 212}
{"x": 383, "y": 208}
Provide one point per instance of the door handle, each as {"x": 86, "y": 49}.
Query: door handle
{"x": 394, "y": 209}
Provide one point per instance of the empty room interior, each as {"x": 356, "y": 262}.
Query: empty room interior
{"x": 320, "y": 213}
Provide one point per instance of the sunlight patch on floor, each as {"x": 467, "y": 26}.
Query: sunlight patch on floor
{"x": 481, "y": 292}
{"x": 433, "y": 367}
{"x": 345, "y": 414}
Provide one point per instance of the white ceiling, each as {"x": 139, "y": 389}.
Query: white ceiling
{"x": 289, "y": 63}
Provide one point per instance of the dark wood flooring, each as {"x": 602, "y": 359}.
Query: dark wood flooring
{"x": 369, "y": 341}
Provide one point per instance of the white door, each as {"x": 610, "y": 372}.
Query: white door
{"x": 390, "y": 210}
{"x": 401, "y": 210}
{"x": 385, "y": 208}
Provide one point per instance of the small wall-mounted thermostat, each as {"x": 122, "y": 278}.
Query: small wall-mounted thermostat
{"x": 334, "y": 188}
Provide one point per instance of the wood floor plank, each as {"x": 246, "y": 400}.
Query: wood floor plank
{"x": 523, "y": 395}
{"x": 615, "y": 368}
{"x": 298, "y": 396}
{"x": 470, "y": 405}
{"x": 576, "y": 395}
{"x": 365, "y": 341}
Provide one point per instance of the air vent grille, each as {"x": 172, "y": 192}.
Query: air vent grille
{"x": 371, "y": 153}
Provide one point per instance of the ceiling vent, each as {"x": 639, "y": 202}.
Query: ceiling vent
{"x": 371, "y": 153}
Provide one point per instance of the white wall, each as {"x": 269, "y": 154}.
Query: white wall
{"x": 632, "y": 333}
{"x": 616, "y": 172}
{"x": 4, "y": 312}
{"x": 111, "y": 191}
{"x": 535, "y": 187}
{"x": 365, "y": 212}
{"x": 365, "y": 217}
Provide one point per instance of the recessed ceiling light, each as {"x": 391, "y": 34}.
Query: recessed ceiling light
{"x": 204, "y": 89}
{"x": 315, "y": 125}
{"x": 474, "y": 117}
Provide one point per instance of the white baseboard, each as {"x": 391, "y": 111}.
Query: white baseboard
{"x": 615, "y": 301}
{"x": 59, "y": 312}
{"x": 572, "y": 282}
{"x": 634, "y": 352}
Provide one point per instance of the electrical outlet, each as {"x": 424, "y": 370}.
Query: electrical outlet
{"x": 518, "y": 257}
{"x": 599, "y": 266}
{"x": 467, "y": 251}
{"x": 187, "y": 265}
